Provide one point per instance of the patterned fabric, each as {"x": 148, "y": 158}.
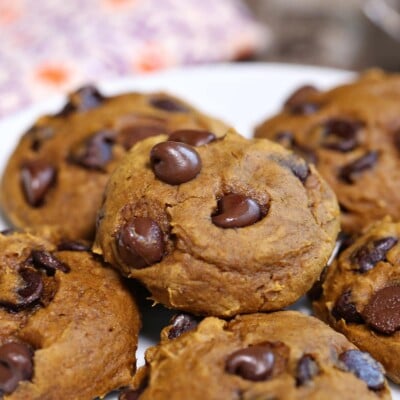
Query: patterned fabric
{"x": 48, "y": 46}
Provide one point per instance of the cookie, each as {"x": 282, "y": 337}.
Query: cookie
{"x": 352, "y": 135}
{"x": 361, "y": 294}
{"x": 59, "y": 169}
{"x": 257, "y": 357}
{"x": 68, "y": 326}
{"x": 232, "y": 226}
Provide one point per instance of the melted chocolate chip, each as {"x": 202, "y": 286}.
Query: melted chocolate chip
{"x": 83, "y": 99}
{"x": 382, "y": 313}
{"x": 175, "y": 163}
{"x": 33, "y": 287}
{"x": 259, "y": 362}
{"x": 194, "y": 137}
{"x": 307, "y": 368}
{"x": 351, "y": 171}
{"x": 140, "y": 242}
{"x": 16, "y": 365}
{"x": 37, "y": 177}
{"x": 167, "y": 104}
{"x": 181, "y": 323}
{"x": 236, "y": 211}
{"x": 364, "y": 367}
{"x": 345, "y": 309}
{"x": 95, "y": 152}
{"x": 299, "y": 104}
{"x": 48, "y": 262}
{"x": 71, "y": 245}
{"x": 340, "y": 134}
{"x": 367, "y": 256}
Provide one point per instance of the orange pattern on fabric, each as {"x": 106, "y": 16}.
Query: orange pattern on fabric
{"x": 52, "y": 75}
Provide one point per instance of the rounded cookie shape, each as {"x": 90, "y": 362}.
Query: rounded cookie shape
{"x": 59, "y": 169}
{"x": 352, "y": 135}
{"x": 361, "y": 294}
{"x": 250, "y": 230}
{"x": 258, "y": 356}
{"x": 68, "y": 325}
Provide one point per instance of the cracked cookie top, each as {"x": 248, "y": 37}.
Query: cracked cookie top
{"x": 218, "y": 228}
{"x": 352, "y": 135}
{"x": 59, "y": 304}
{"x": 58, "y": 171}
{"x": 258, "y": 356}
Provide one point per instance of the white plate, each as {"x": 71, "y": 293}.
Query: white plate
{"x": 241, "y": 94}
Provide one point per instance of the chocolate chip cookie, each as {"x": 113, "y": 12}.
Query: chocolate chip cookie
{"x": 59, "y": 169}
{"x": 361, "y": 294}
{"x": 257, "y": 357}
{"x": 352, "y": 135}
{"x": 68, "y": 326}
{"x": 227, "y": 227}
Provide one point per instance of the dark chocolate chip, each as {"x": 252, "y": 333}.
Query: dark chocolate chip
{"x": 72, "y": 245}
{"x": 382, "y": 313}
{"x": 167, "y": 104}
{"x": 94, "y": 152}
{"x": 345, "y": 309}
{"x": 299, "y": 104}
{"x": 47, "y": 261}
{"x": 317, "y": 290}
{"x": 351, "y": 171}
{"x": 130, "y": 394}
{"x": 39, "y": 134}
{"x": 236, "y": 211}
{"x": 33, "y": 286}
{"x": 174, "y": 162}
{"x": 83, "y": 99}
{"x": 397, "y": 139}
{"x": 340, "y": 134}
{"x": 259, "y": 362}
{"x": 364, "y": 367}
{"x": 181, "y": 323}
{"x": 37, "y": 177}
{"x": 16, "y": 365}
{"x": 307, "y": 368}
{"x": 299, "y": 167}
{"x": 367, "y": 256}
{"x": 194, "y": 137}
{"x": 140, "y": 242}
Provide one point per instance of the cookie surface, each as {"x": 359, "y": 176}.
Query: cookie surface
{"x": 232, "y": 226}
{"x": 60, "y": 167}
{"x": 254, "y": 357}
{"x": 361, "y": 294}
{"x": 352, "y": 134}
{"x": 68, "y": 325}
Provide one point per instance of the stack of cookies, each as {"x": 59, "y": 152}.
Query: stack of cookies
{"x": 226, "y": 230}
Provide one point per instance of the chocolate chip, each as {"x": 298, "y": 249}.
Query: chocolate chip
{"x": 364, "y": 367}
{"x": 340, "y": 134}
{"x": 39, "y": 134}
{"x": 130, "y": 394}
{"x": 72, "y": 245}
{"x": 181, "y": 323}
{"x": 16, "y": 365}
{"x": 397, "y": 139}
{"x": 298, "y": 103}
{"x": 47, "y": 261}
{"x": 236, "y": 211}
{"x": 382, "y": 313}
{"x": 259, "y": 362}
{"x": 167, "y": 104}
{"x": 33, "y": 286}
{"x": 194, "y": 137}
{"x": 140, "y": 242}
{"x": 351, "y": 171}
{"x": 83, "y": 99}
{"x": 174, "y": 162}
{"x": 307, "y": 368}
{"x": 317, "y": 290}
{"x": 299, "y": 167}
{"x": 345, "y": 309}
{"x": 37, "y": 177}
{"x": 94, "y": 152}
{"x": 367, "y": 256}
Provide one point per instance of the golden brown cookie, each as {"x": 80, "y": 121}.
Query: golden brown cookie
{"x": 352, "y": 134}
{"x": 229, "y": 227}
{"x": 284, "y": 355}
{"x": 361, "y": 294}
{"x": 59, "y": 169}
{"x": 68, "y": 326}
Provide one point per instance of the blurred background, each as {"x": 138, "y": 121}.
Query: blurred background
{"x": 53, "y": 46}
